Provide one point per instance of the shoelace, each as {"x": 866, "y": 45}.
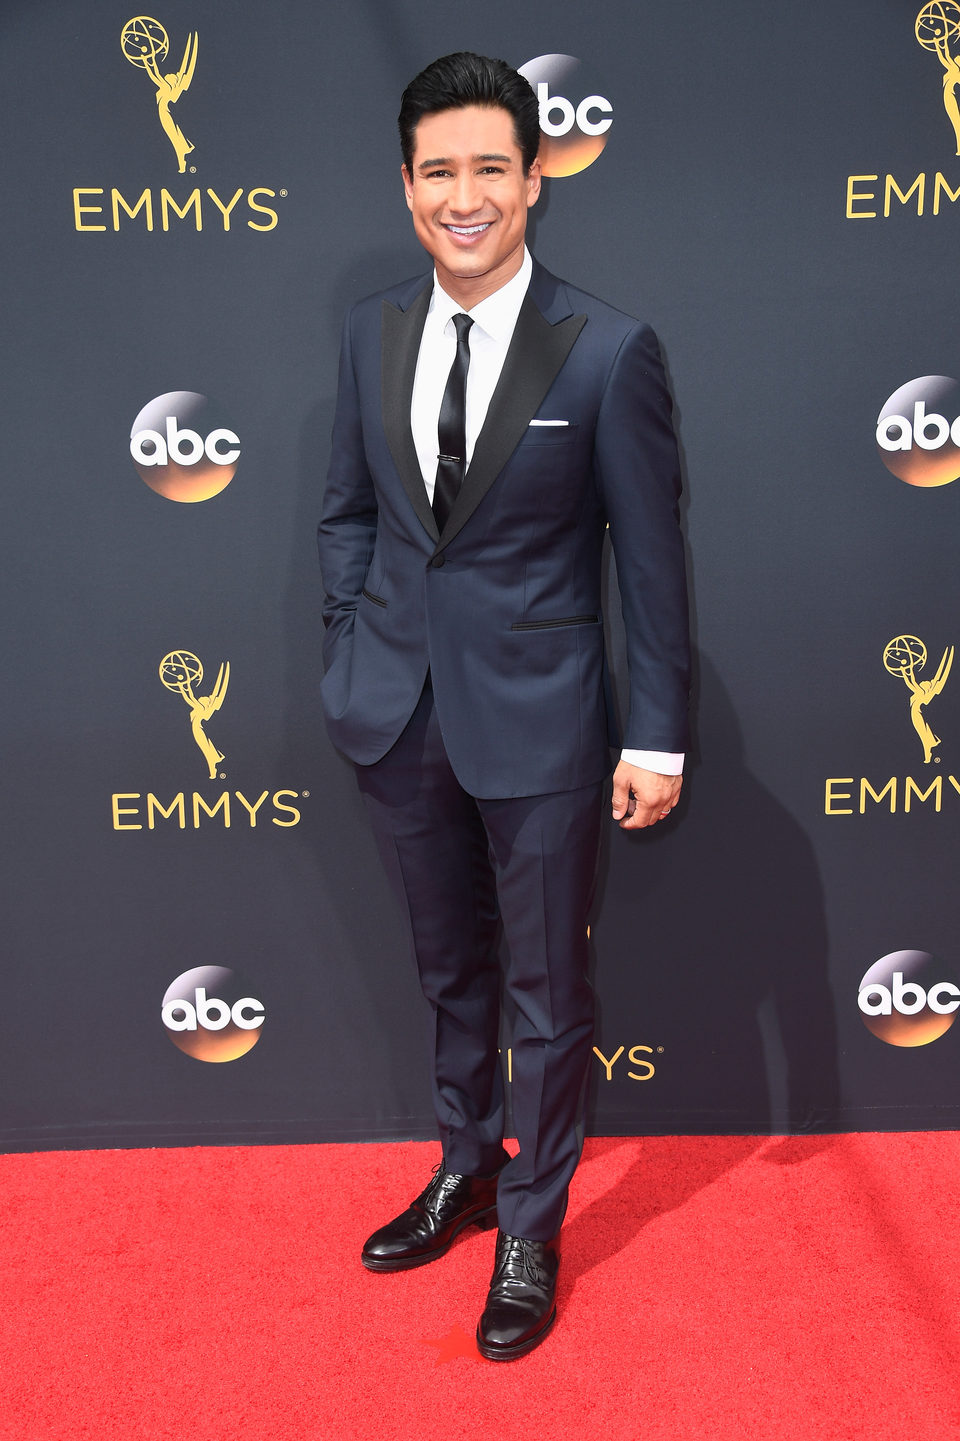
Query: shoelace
{"x": 514, "y": 1256}
{"x": 439, "y": 1188}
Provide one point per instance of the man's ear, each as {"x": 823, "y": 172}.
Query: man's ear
{"x": 407, "y": 185}
{"x": 534, "y": 177}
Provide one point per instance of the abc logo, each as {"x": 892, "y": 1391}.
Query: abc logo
{"x": 905, "y": 1001}
{"x": 918, "y": 433}
{"x": 208, "y": 1014}
{"x": 573, "y": 132}
{"x": 181, "y": 448}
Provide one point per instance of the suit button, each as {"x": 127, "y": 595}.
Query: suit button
{"x": 438, "y": 561}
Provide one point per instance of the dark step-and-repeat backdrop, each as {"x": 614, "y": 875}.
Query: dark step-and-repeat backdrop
{"x": 199, "y": 942}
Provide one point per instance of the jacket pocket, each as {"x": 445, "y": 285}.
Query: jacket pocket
{"x": 550, "y": 434}
{"x": 552, "y": 624}
{"x": 368, "y": 595}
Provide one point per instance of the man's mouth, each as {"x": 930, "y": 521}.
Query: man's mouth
{"x": 467, "y": 232}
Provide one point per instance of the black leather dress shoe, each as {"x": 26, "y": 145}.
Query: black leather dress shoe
{"x": 438, "y": 1215}
{"x": 520, "y": 1307}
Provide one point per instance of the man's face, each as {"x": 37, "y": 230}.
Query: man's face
{"x": 469, "y": 198}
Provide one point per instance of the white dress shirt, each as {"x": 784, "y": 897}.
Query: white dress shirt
{"x": 494, "y": 321}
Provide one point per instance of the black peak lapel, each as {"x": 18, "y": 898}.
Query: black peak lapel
{"x": 536, "y": 354}
{"x": 400, "y": 332}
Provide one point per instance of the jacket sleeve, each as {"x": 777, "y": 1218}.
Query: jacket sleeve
{"x": 348, "y": 521}
{"x": 638, "y": 472}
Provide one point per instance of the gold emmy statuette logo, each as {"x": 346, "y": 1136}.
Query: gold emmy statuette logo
{"x": 180, "y": 671}
{"x": 903, "y": 657}
{"x": 144, "y": 42}
{"x": 937, "y": 25}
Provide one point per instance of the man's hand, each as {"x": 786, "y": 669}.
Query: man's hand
{"x": 641, "y": 798}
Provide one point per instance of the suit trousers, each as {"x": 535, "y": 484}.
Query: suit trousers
{"x": 467, "y": 870}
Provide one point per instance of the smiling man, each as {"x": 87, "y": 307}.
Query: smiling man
{"x": 492, "y": 422}
{"x": 469, "y": 191}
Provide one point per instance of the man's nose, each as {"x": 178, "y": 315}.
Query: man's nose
{"x": 465, "y": 196}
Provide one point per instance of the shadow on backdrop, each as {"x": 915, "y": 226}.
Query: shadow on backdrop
{"x": 712, "y": 931}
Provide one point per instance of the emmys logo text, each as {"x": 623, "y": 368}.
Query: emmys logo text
{"x": 918, "y": 432}
{"x": 905, "y": 658}
{"x": 208, "y": 1015}
{"x": 143, "y": 810}
{"x": 179, "y": 448}
{"x": 635, "y": 1065}
{"x": 936, "y": 29}
{"x": 904, "y": 1000}
{"x": 573, "y": 126}
{"x": 91, "y": 210}
{"x": 145, "y": 44}
{"x": 631, "y": 1064}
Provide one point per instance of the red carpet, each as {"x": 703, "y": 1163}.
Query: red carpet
{"x": 711, "y": 1288}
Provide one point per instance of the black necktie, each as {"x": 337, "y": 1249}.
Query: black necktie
{"x": 452, "y": 427}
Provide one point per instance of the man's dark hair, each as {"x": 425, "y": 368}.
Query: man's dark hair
{"x": 455, "y": 81}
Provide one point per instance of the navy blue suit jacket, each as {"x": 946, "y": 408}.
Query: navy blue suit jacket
{"x": 504, "y": 607}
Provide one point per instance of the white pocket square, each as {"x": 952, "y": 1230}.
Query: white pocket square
{"x": 549, "y": 422}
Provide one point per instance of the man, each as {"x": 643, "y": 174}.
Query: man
{"x": 491, "y": 422}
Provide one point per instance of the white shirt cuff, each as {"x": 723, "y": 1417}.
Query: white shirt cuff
{"x": 665, "y": 763}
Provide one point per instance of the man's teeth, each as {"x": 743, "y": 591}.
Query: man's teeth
{"x": 468, "y": 229}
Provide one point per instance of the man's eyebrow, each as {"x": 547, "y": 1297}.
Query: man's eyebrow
{"x": 445, "y": 160}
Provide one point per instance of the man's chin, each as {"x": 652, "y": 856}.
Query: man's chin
{"x": 467, "y": 267}
{"x": 462, "y": 267}
{"x": 475, "y": 268}
{"x": 455, "y": 254}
